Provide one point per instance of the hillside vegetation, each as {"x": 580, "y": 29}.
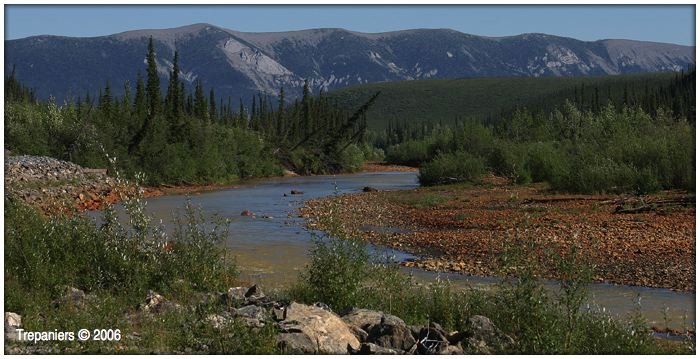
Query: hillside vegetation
{"x": 441, "y": 101}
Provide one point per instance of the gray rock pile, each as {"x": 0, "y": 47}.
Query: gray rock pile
{"x": 309, "y": 329}
{"x": 46, "y": 182}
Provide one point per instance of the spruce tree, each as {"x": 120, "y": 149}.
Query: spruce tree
{"x": 153, "y": 83}
{"x": 212, "y": 105}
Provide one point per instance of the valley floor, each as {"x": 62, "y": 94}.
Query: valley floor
{"x": 643, "y": 241}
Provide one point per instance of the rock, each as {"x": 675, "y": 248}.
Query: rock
{"x": 13, "y": 321}
{"x": 278, "y": 314}
{"x": 254, "y": 294}
{"x": 392, "y": 334}
{"x": 155, "y": 303}
{"x": 456, "y": 337}
{"x": 432, "y": 340}
{"x": 452, "y": 350}
{"x": 218, "y": 321}
{"x": 246, "y": 213}
{"x": 484, "y": 336}
{"x": 370, "y": 189}
{"x": 74, "y": 297}
{"x": 252, "y": 316}
{"x": 365, "y": 318}
{"x": 326, "y": 329}
{"x": 294, "y": 192}
{"x": 360, "y": 334}
{"x": 234, "y": 296}
{"x": 374, "y": 349}
{"x": 295, "y": 343}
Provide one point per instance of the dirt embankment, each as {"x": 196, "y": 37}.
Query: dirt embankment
{"x": 647, "y": 241}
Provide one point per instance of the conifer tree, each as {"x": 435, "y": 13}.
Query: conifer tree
{"x": 212, "y": 105}
{"x": 153, "y": 83}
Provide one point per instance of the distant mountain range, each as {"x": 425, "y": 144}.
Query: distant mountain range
{"x": 240, "y": 64}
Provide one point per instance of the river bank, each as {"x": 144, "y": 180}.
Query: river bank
{"x": 55, "y": 186}
{"x": 642, "y": 241}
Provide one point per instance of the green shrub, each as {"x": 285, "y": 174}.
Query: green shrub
{"x": 449, "y": 168}
{"x": 335, "y": 274}
{"x": 546, "y": 162}
{"x": 508, "y": 160}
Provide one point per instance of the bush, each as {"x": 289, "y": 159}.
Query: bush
{"x": 351, "y": 159}
{"x": 343, "y": 275}
{"x": 335, "y": 274}
{"x": 508, "y": 160}
{"x": 546, "y": 162}
{"x": 449, "y": 168}
{"x": 43, "y": 254}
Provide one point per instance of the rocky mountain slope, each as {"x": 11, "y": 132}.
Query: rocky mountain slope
{"x": 240, "y": 64}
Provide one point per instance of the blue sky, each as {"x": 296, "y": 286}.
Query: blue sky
{"x": 673, "y": 24}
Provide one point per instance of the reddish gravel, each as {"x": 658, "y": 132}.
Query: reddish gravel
{"x": 465, "y": 229}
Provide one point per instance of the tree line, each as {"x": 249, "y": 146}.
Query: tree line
{"x": 183, "y": 136}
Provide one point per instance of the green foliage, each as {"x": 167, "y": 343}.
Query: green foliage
{"x": 453, "y": 167}
{"x": 508, "y": 160}
{"x": 44, "y": 254}
{"x": 335, "y": 274}
{"x": 184, "y": 138}
{"x": 540, "y": 323}
{"x": 616, "y": 148}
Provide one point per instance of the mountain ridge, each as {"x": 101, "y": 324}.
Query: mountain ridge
{"x": 240, "y": 64}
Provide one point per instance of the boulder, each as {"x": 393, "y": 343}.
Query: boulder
{"x": 370, "y": 189}
{"x": 451, "y": 350}
{"x": 74, "y": 297}
{"x": 254, "y": 294}
{"x": 243, "y": 295}
{"x": 295, "y": 343}
{"x": 432, "y": 340}
{"x": 484, "y": 336}
{"x": 251, "y": 315}
{"x": 13, "y": 321}
{"x": 234, "y": 295}
{"x": 360, "y": 334}
{"x": 296, "y": 192}
{"x": 374, "y": 349}
{"x": 329, "y": 333}
{"x": 365, "y": 319}
{"x": 391, "y": 334}
{"x": 278, "y": 314}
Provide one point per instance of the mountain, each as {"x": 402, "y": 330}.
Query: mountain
{"x": 240, "y": 64}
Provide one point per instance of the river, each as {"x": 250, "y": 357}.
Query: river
{"x": 272, "y": 246}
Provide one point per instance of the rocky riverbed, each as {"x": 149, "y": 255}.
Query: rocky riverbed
{"x": 643, "y": 241}
{"x": 53, "y": 185}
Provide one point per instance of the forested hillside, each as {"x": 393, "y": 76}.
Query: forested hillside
{"x": 186, "y": 137}
{"x": 432, "y": 102}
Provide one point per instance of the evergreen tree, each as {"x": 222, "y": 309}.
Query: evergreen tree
{"x": 153, "y": 83}
{"x": 212, "y": 105}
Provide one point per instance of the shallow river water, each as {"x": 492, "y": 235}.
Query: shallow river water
{"x": 272, "y": 247}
